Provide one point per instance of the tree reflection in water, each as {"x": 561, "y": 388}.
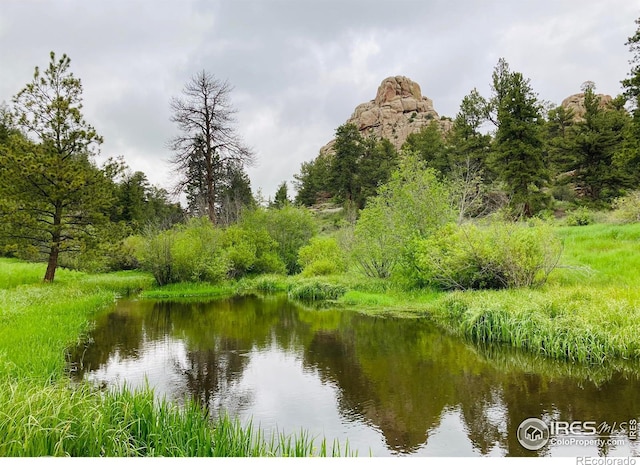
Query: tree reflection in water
{"x": 391, "y": 382}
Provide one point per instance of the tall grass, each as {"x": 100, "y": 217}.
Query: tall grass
{"x": 43, "y": 414}
{"x": 60, "y": 420}
{"x": 313, "y": 290}
{"x": 557, "y": 323}
{"x": 588, "y": 313}
{"x": 38, "y": 322}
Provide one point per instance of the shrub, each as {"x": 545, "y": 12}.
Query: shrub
{"x": 290, "y": 227}
{"x": 251, "y": 251}
{"x": 501, "y": 255}
{"x": 197, "y": 253}
{"x": 627, "y": 208}
{"x": 580, "y": 217}
{"x": 322, "y": 256}
{"x": 156, "y": 255}
{"x": 411, "y": 205}
{"x": 190, "y": 252}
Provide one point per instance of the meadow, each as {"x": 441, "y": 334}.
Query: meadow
{"x": 42, "y": 413}
{"x": 587, "y": 313}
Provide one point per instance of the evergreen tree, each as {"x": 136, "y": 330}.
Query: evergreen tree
{"x": 312, "y": 183}
{"x": 348, "y": 150}
{"x": 281, "y": 198}
{"x": 379, "y": 160}
{"x": 631, "y": 148}
{"x": 467, "y": 151}
{"x": 51, "y": 193}
{"x": 558, "y": 130}
{"x": 595, "y": 140}
{"x": 429, "y": 144}
{"x": 518, "y": 146}
{"x": 234, "y": 195}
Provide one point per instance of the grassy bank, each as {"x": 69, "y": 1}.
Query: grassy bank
{"x": 42, "y": 413}
{"x": 588, "y": 311}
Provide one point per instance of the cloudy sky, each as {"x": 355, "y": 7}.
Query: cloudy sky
{"x": 300, "y": 67}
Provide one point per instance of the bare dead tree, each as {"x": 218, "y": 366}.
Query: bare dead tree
{"x": 207, "y": 140}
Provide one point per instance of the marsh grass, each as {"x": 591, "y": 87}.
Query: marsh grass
{"x": 64, "y": 420}
{"x": 14, "y": 272}
{"x": 312, "y": 290}
{"x": 191, "y": 289}
{"x": 589, "y": 312}
{"x": 43, "y": 414}
{"x": 38, "y": 322}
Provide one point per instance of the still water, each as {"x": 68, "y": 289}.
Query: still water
{"x": 388, "y": 386}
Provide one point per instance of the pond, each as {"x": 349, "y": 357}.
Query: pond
{"x": 388, "y": 386}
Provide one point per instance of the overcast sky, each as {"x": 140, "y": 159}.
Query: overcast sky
{"x": 299, "y": 68}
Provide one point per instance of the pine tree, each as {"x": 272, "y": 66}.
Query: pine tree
{"x": 595, "y": 140}
{"x": 51, "y": 193}
{"x": 281, "y": 197}
{"x": 518, "y": 146}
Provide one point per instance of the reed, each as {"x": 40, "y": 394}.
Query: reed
{"x": 313, "y": 290}
{"x": 64, "y": 420}
{"x": 43, "y": 414}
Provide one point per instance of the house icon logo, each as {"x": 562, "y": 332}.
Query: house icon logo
{"x": 533, "y": 434}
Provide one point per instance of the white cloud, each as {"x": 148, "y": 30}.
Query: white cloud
{"x": 300, "y": 68}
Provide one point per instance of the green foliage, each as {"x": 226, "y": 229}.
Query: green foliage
{"x": 468, "y": 150}
{"x": 139, "y": 204}
{"x": 315, "y": 290}
{"x": 251, "y": 250}
{"x": 61, "y": 420}
{"x": 581, "y": 216}
{"x": 313, "y": 181}
{"x": 290, "y": 227}
{"x": 595, "y": 140}
{"x": 558, "y": 129}
{"x": 350, "y": 174}
{"x": 53, "y": 196}
{"x": 191, "y": 252}
{"x": 518, "y": 147}
{"x": 348, "y": 148}
{"x": 429, "y": 144}
{"x": 322, "y": 256}
{"x": 281, "y": 197}
{"x": 502, "y": 255}
{"x": 627, "y": 208}
{"x": 264, "y": 241}
{"x": 411, "y": 205}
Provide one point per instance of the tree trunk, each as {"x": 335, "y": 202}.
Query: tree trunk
{"x": 52, "y": 264}
{"x": 56, "y": 234}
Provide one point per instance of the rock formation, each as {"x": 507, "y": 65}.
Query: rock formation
{"x": 398, "y": 110}
{"x": 575, "y": 102}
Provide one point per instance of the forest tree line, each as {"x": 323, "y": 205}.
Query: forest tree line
{"x": 507, "y": 152}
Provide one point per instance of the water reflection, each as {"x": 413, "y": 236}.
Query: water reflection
{"x": 388, "y": 386}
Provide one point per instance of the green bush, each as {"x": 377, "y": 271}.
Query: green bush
{"x": 413, "y": 204}
{"x": 501, "y": 255}
{"x": 580, "y": 217}
{"x": 197, "y": 253}
{"x": 627, "y": 208}
{"x": 191, "y": 252}
{"x": 251, "y": 250}
{"x": 322, "y": 256}
{"x": 290, "y": 227}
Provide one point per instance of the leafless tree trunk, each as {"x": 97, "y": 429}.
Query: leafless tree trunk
{"x": 207, "y": 138}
